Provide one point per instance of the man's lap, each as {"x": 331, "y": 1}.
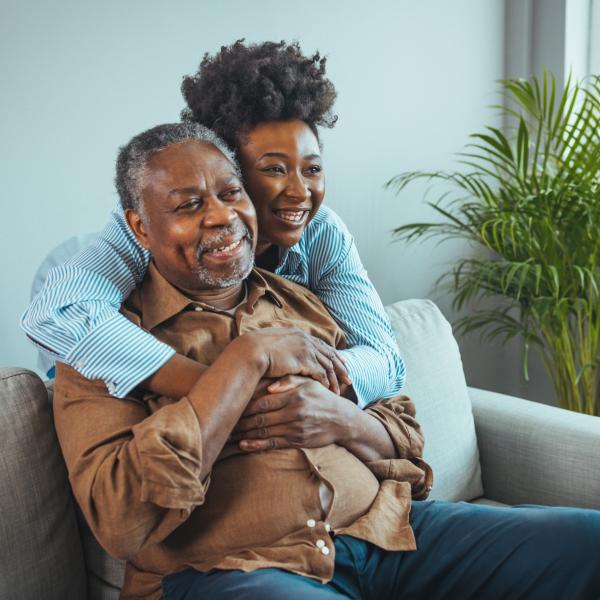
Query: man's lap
{"x": 464, "y": 551}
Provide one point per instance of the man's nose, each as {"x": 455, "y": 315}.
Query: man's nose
{"x": 297, "y": 187}
{"x": 217, "y": 213}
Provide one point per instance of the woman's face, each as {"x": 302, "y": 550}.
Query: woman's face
{"x": 283, "y": 174}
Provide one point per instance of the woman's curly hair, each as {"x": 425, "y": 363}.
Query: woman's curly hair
{"x": 246, "y": 84}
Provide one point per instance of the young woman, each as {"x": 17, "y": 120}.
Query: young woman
{"x": 266, "y": 101}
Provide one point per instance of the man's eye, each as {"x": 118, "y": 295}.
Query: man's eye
{"x": 232, "y": 194}
{"x": 314, "y": 169}
{"x": 193, "y": 203}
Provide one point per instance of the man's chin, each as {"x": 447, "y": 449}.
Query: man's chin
{"x": 212, "y": 278}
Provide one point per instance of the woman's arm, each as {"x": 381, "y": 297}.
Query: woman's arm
{"x": 76, "y": 316}
{"x": 338, "y": 278}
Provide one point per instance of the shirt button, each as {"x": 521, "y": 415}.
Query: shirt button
{"x": 198, "y": 308}
{"x": 325, "y": 550}
{"x": 79, "y": 365}
{"x": 320, "y": 544}
{"x": 311, "y": 522}
{"x": 111, "y": 387}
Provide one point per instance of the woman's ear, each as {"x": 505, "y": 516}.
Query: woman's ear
{"x": 136, "y": 224}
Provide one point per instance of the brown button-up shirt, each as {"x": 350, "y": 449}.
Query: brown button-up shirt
{"x": 134, "y": 464}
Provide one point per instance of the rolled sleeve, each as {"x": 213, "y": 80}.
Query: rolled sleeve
{"x": 169, "y": 444}
{"x": 397, "y": 415}
{"x": 75, "y": 317}
{"x": 119, "y": 353}
{"x": 135, "y": 475}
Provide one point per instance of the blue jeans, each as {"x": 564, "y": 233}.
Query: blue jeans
{"x": 464, "y": 551}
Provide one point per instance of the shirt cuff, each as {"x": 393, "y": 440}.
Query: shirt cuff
{"x": 370, "y": 374}
{"x": 119, "y": 353}
{"x": 169, "y": 445}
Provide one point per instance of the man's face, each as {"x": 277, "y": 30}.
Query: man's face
{"x": 198, "y": 221}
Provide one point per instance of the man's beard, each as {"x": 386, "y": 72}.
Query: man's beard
{"x": 242, "y": 267}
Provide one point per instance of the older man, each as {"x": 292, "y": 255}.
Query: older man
{"x": 324, "y": 512}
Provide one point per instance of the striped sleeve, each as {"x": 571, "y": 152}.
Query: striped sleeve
{"x": 339, "y": 279}
{"x": 76, "y": 315}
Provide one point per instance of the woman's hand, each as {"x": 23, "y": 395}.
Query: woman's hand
{"x": 291, "y": 351}
{"x": 301, "y": 413}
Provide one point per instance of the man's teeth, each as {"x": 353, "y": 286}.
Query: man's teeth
{"x": 232, "y": 246}
{"x": 292, "y": 215}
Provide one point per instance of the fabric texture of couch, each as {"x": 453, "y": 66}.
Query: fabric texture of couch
{"x": 483, "y": 446}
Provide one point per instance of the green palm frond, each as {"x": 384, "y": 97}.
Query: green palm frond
{"x": 529, "y": 199}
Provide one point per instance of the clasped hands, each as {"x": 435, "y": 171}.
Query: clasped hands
{"x": 292, "y": 412}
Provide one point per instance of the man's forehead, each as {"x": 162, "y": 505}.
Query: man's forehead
{"x": 188, "y": 162}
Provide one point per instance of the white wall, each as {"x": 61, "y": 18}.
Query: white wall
{"x": 79, "y": 78}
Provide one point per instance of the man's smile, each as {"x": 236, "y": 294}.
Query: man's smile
{"x": 229, "y": 252}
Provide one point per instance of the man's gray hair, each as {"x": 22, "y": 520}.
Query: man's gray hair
{"x": 131, "y": 161}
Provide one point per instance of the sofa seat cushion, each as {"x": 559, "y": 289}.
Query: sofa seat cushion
{"x": 436, "y": 383}
{"x": 40, "y": 553}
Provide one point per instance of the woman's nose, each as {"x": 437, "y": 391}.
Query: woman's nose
{"x": 297, "y": 188}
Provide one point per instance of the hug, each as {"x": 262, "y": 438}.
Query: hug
{"x": 228, "y": 387}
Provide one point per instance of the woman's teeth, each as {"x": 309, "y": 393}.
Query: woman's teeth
{"x": 291, "y": 215}
{"x": 229, "y": 248}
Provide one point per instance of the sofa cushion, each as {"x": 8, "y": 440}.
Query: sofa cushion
{"x": 105, "y": 574}
{"x": 436, "y": 383}
{"x": 40, "y": 549}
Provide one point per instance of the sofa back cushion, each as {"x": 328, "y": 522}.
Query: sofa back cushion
{"x": 435, "y": 382}
{"x": 40, "y": 549}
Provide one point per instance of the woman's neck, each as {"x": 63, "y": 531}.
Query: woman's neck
{"x": 267, "y": 257}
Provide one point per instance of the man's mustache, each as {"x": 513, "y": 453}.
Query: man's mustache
{"x": 235, "y": 231}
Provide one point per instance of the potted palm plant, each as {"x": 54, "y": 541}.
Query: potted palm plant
{"x": 528, "y": 199}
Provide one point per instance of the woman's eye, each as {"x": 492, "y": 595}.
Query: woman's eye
{"x": 274, "y": 169}
{"x": 314, "y": 169}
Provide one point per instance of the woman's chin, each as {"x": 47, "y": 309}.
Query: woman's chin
{"x": 288, "y": 240}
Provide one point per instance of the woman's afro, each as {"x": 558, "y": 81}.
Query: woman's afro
{"x": 246, "y": 84}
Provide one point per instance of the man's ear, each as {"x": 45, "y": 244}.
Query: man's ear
{"x": 136, "y": 224}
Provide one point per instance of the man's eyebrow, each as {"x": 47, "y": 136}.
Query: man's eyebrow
{"x": 196, "y": 190}
{"x": 185, "y": 190}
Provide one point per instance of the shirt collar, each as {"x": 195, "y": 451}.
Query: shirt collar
{"x": 160, "y": 300}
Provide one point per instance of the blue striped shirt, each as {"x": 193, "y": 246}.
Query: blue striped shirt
{"x": 76, "y": 314}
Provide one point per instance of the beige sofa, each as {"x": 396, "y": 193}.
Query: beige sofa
{"x": 484, "y": 447}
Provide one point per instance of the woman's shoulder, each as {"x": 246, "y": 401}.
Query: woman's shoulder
{"x": 327, "y": 228}
{"x": 326, "y": 241}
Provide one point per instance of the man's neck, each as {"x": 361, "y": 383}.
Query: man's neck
{"x": 221, "y": 298}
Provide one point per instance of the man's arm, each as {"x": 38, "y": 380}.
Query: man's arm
{"x": 138, "y": 476}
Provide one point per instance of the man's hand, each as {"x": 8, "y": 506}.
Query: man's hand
{"x": 301, "y": 413}
{"x": 291, "y": 351}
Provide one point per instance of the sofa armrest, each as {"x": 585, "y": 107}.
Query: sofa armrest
{"x": 536, "y": 454}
